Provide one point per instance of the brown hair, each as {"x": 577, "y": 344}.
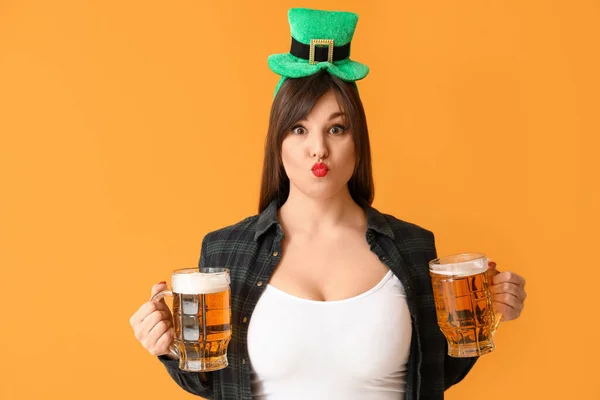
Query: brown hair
{"x": 293, "y": 102}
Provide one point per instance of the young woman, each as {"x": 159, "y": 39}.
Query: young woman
{"x": 331, "y": 299}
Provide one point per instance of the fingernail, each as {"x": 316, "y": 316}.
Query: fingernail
{"x": 492, "y": 264}
{"x": 161, "y": 282}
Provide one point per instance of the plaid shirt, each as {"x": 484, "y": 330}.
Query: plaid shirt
{"x": 252, "y": 249}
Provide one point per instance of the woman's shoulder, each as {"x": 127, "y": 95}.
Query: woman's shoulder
{"x": 402, "y": 229}
{"x": 415, "y": 243}
{"x": 245, "y": 229}
{"x": 235, "y": 240}
{"x": 404, "y": 232}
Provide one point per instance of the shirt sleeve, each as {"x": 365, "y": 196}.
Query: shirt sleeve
{"x": 455, "y": 369}
{"x": 188, "y": 381}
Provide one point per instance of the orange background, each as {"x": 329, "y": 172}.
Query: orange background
{"x": 131, "y": 128}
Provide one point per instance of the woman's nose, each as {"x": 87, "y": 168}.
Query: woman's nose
{"x": 318, "y": 146}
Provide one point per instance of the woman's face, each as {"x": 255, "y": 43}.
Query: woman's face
{"x": 323, "y": 136}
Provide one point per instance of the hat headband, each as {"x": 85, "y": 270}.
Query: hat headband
{"x": 321, "y": 50}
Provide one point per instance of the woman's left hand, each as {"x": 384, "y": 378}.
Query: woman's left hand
{"x": 508, "y": 294}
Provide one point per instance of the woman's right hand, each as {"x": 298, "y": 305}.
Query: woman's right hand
{"x": 152, "y": 324}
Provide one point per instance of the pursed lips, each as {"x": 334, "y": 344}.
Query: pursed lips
{"x": 320, "y": 169}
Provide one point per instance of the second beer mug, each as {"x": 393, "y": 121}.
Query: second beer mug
{"x": 201, "y": 317}
{"x": 463, "y": 303}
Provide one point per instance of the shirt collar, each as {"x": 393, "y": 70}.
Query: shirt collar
{"x": 375, "y": 221}
{"x": 266, "y": 219}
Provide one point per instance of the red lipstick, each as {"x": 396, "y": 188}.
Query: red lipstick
{"x": 320, "y": 170}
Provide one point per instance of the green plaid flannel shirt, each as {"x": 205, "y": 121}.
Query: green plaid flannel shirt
{"x": 252, "y": 249}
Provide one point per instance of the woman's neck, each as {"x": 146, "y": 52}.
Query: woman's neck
{"x": 302, "y": 214}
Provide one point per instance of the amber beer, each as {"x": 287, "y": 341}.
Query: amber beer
{"x": 463, "y": 302}
{"x": 201, "y": 318}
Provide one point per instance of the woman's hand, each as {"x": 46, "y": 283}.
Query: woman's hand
{"x": 152, "y": 324}
{"x": 508, "y": 294}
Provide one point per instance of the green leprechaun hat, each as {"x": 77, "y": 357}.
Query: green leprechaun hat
{"x": 320, "y": 41}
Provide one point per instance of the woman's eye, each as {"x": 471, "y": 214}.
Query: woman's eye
{"x": 298, "y": 130}
{"x": 337, "y": 129}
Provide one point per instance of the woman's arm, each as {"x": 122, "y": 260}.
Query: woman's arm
{"x": 455, "y": 369}
{"x": 196, "y": 383}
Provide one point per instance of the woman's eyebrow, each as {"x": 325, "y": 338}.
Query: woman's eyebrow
{"x": 332, "y": 116}
{"x": 336, "y": 114}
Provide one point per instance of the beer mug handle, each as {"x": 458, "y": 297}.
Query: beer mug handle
{"x": 158, "y": 297}
{"x": 497, "y": 319}
{"x": 491, "y": 272}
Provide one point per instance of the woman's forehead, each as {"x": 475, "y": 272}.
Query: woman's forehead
{"x": 326, "y": 107}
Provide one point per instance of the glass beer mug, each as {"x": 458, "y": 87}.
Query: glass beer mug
{"x": 463, "y": 303}
{"x": 201, "y": 317}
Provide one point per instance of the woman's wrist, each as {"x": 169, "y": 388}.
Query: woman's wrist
{"x": 171, "y": 356}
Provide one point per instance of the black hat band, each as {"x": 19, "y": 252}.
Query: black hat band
{"x": 321, "y": 51}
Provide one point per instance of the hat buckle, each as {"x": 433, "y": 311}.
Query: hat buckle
{"x": 320, "y": 43}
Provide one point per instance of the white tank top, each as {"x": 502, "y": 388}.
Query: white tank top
{"x": 349, "y": 349}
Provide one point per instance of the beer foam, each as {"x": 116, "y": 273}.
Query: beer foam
{"x": 459, "y": 269}
{"x": 200, "y": 283}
